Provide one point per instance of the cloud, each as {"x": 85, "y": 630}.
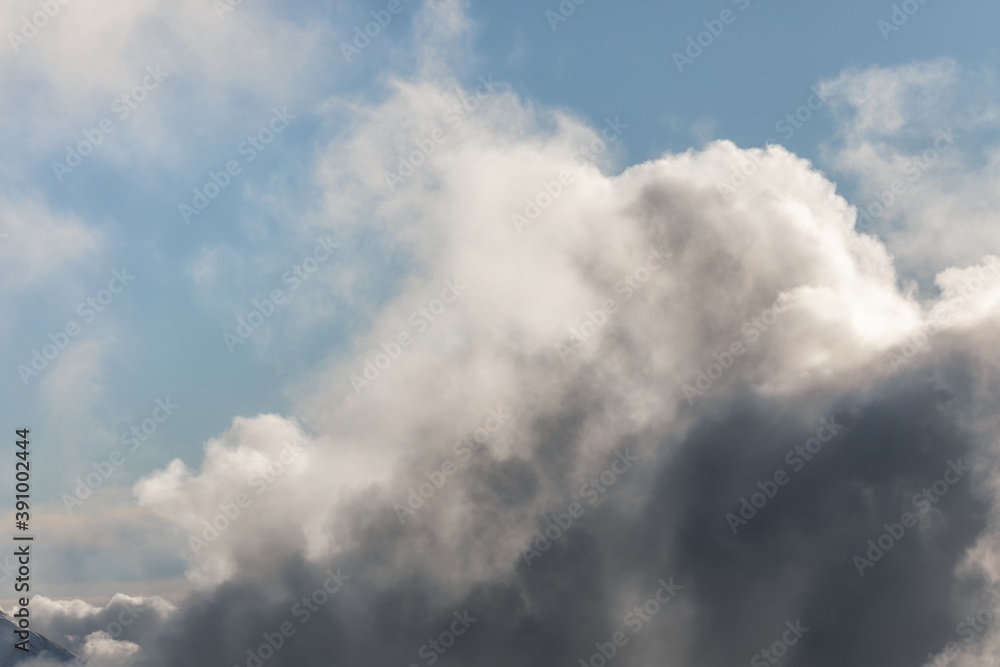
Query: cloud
{"x": 920, "y": 141}
{"x": 85, "y": 58}
{"x": 40, "y": 244}
{"x": 99, "y": 647}
{"x": 641, "y": 316}
{"x": 104, "y": 635}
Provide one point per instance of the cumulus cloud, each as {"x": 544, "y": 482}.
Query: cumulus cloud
{"x": 101, "y": 648}
{"x": 224, "y": 508}
{"x": 597, "y": 370}
{"x": 98, "y": 634}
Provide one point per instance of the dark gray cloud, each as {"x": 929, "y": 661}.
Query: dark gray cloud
{"x": 792, "y": 561}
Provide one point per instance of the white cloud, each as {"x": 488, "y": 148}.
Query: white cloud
{"x": 88, "y": 55}
{"x": 41, "y": 244}
{"x": 463, "y": 215}
{"x": 106, "y": 651}
{"x": 920, "y": 141}
{"x": 788, "y": 232}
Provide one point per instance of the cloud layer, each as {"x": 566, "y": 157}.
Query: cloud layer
{"x": 597, "y": 403}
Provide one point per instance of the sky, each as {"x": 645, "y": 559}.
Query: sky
{"x": 391, "y": 302}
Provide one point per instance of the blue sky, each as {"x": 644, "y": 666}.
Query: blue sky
{"x": 606, "y": 60}
{"x": 162, "y": 336}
